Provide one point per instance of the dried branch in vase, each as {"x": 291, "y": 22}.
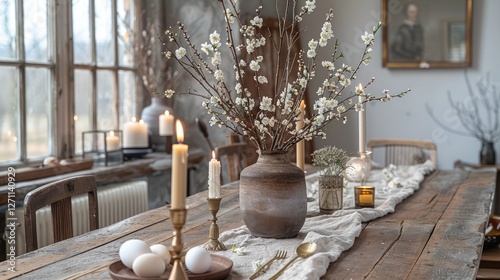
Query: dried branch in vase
{"x": 479, "y": 113}
{"x": 269, "y": 121}
{"x": 155, "y": 73}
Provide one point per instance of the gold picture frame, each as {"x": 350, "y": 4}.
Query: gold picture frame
{"x": 426, "y": 33}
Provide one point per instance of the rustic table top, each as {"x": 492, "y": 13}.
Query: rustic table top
{"x": 437, "y": 232}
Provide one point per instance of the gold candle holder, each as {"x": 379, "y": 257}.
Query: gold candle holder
{"x": 178, "y": 219}
{"x": 213, "y": 243}
{"x": 364, "y": 196}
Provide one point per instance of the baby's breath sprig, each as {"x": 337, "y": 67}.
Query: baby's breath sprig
{"x": 331, "y": 160}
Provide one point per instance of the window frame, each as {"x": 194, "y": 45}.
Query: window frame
{"x": 61, "y": 66}
{"x": 21, "y": 64}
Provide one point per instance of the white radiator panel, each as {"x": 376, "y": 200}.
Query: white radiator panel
{"x": 116, "y": 202}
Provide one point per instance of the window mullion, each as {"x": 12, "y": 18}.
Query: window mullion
{"x": 138, "y": 26}
{"x": 22, "y": 82}
{"x": 114, "y": 15}
{"x": 62, "y": 122}
{"x": 94, "y": 63}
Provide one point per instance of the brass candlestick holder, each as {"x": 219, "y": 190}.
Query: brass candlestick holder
{"x": 213, "y": 243}
{"x": 178, "y": 219}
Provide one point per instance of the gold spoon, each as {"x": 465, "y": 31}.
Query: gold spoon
{"x": 304, "y": 250}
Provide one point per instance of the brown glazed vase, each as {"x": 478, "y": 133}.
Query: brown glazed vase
{"x": 273, "y": 199}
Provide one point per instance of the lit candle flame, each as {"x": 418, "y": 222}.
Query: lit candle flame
{"x": 213, "y": 154}
{"x": 167, "y": 113}
{"x": 179, "y": 131}
{"x": 111, "y": 133}
{"x": 141, "y": 121}
{"x": 134, "y": 119}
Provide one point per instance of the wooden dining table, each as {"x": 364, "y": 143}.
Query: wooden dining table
{"x": 436, "y": 233}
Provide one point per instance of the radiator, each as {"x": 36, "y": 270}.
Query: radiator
{"x": 115, "y": 202}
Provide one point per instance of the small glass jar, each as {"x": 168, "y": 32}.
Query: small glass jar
{"x": 364, "y": 197}
{"x": 330, "y": 193}
{"x": 104, "y": 147}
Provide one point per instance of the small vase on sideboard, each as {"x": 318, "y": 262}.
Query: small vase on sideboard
{"x": 487, "y": 155}
{"x": 150, "y": 115}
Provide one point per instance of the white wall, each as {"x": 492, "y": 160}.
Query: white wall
{"x": 407, "y": 117}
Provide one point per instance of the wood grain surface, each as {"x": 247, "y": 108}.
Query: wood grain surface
{"x": 437, "y": 233}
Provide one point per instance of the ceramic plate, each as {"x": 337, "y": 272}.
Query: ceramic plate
{"x": 219, "y": 269}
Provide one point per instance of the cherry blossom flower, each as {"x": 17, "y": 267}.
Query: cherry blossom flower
{"x": 219, "y": 76}
{"x": 254, "y": 66}
{"x": 215, "y": 38}
{"x": 313, "y": 44}
{"x": 262, "y": 80}
{"x": 206, "y": 48}
{"x": 180, "y": 53}
{"x": 169, "y": 93}
{"x": 216, "y": 59}
{"x": 257, "y": 21}
{"x": 266, "y": 103}
{"x": 367, "y": 38}
{"x": 310, "y": 6}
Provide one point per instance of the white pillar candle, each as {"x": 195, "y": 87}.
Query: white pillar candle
{"x": 135, "y": 134}
{"x": 362, "y": 122}
{"x": 300, "y": 147}
{"x": 166, "y": 122}
{"x": 214, "y": 177}
{"x": 179, "y": 170}
{"x": 112, "y": 142}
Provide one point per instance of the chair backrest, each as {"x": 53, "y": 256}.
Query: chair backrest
{"x": 404, "y": 151}
{"x": 58, "y": 196}
{"x": 235, "y": 158}
{"x": 232, "y": 137}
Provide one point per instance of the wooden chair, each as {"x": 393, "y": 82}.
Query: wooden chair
{"x": 236, "y": 159}
{"x": 58, "y": 196}
{"x": 404, "y": 151}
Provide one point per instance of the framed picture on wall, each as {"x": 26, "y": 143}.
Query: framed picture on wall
{"x": 427, "y": 33}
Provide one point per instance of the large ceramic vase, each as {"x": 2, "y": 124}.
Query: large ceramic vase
{"x": 273, "y": 197}
{"x": 150, "y": 115}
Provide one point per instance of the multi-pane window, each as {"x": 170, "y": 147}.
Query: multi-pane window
{"x": 101, "y": 92}
{"x": 26, "y": 76}
{"x": 103, "y": 65}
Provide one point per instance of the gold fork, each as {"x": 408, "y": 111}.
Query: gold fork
{"x": 280, "y": 254}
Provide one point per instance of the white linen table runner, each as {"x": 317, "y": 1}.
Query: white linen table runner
{"x": 333, "y": 233}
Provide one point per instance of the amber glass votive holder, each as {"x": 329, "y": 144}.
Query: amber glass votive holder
{"x": 364, "y": 197}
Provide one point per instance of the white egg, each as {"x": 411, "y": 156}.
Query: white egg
{"x": 162, "y": 251}
{"x": 131, "y": 249}
{"x": 148, "y": 265}
{"x": 198, "y": 260}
